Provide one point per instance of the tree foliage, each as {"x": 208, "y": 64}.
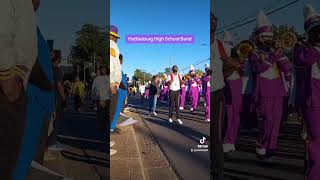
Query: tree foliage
{"x": 90, "y": 39}
{"x": 141, "y": 76}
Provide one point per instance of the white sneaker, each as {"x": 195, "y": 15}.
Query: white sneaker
{"x": 170, "y": 120}
{"x": 113, "y": 152}
{"x": 56, "y": 147}
{"x": 304, "y": 135}
{"x": 228, "y": 148}
{"x": 123, "y": 115}
{"x": 180, "y": 122}
{"x": 155, "y": 114}
{"x": 181, "y": 108}
{"x": 261, "y": 151}
{"x": 127, "y": 108}
{"x": 191, "y": 109}
{"x": 207, "y": 120}
{"x": 112, "y": 143}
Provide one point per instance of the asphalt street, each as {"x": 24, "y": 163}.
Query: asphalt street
{"x": 178, "y": 141}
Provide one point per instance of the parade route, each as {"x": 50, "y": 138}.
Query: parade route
{"x": 177, "y": 141}
{"x": 288, "y": 162}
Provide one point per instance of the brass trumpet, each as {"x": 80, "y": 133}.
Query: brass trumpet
{"x": 288, "y": 41}
{"x": 244, "y": 48}
{"x": 163, "y": 77}
{"x": 186, "y": 77}
{"x": 199, "y": 74}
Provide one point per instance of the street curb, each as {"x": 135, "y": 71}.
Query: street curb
{"x": 140, "y": 156}
{"x": 158, "y": 144}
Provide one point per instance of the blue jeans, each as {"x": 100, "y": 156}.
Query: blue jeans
{"x": 153, "y": 103}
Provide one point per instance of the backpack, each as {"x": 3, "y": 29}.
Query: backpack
{"x": 222, "y": 51}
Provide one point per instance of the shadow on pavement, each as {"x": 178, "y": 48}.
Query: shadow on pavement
{"x": 85, "y": 158}
{"x": 186, "y": 131}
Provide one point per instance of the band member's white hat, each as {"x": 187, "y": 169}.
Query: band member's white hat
{"x": 207, "y": 66}
{"x": 264, "y": 26}
{"x": 192, "y": 69}
{"x": 311, "y": 18}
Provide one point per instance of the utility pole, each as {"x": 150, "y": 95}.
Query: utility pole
{"x": 78, "y": 70}
{"x": 94, "y": 61}
{"x": 84, "y": 73}
{"x": 170, "y": 65}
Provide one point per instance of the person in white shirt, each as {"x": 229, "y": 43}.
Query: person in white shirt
{"x": 142, "y": 90}
{"x": 115, "y": 74}
{"x": 101, "y": 93}
{"x": 174, "y": 81}
{"x": 217, "y": 100}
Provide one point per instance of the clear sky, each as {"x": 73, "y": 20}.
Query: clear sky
{"x": 229, "y": 11}
{"x": 61, "y": 19}
{"x": 161, "y": 17}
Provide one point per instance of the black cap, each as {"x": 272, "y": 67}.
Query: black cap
{"x": 174, "y": 66}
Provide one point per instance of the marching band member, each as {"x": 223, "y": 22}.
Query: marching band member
{"x": 194, "y": 84}
{"x": 206, "y": 90}
{"x": 270, "y": 67}
{"x": 233, "y": 92}
{"x": 164, "y": 92}
{"x": 248, "y": 117}
{"x": 174, "y": 80}
{"x": 147, "y": 89}
{"x": 183, "y": 92}
{"x": 307, "y": 55}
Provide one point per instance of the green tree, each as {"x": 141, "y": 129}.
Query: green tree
{"x": 91, "y": 41}
{"x": 140, "y": 75}
{"x": 167, "y": 70}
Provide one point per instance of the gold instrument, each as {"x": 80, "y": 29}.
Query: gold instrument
{"x": 186, "y": 77}
{"x": 245, "y": 48}
{"x": 163, "y": 77}
{"x": 288, "y": 41}
{"x": 199, "y": 74}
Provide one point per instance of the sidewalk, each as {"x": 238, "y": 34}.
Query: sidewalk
{"x": 138, "y": 155}
{"x": 73, "y": 163}
{"x": 85, "y": 154}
